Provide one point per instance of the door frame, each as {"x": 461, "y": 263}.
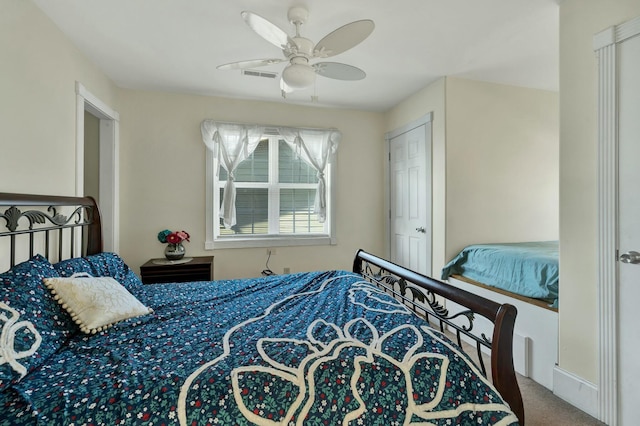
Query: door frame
{"x": 109, "y": 162}
{"x": 605, "y": 46}
{"x": 424, "y": 120}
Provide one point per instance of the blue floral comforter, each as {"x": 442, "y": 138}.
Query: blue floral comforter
{"x": 321, "y": 348}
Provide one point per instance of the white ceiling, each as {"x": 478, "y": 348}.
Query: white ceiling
{"x": 173, "y": 45}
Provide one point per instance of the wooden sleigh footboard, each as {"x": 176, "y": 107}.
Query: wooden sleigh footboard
{"x": 424, "y": 296}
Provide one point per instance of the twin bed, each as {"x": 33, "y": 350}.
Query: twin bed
{"x": 366, "y": 346}
{"x": 528, "y": 269}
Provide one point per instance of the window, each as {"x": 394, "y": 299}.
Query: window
{"x": 275, "y": 198}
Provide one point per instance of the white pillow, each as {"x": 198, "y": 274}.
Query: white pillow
{"x": 95, "y": 303}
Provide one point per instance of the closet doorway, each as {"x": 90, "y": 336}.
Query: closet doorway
{"x": 98, "y": 177}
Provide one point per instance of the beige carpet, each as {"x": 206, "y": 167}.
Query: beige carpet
{"x": 542, "y": 407}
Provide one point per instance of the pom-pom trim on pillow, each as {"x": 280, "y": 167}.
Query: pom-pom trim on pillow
{"x": 95, "y": 303}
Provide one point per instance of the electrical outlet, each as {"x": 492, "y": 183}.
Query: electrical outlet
{"x": 271, "y": 252}
{"x": 286, "y": 270}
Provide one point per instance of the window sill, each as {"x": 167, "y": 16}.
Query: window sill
{"x": 269, "y": 242}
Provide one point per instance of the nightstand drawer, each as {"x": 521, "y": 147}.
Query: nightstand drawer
{"x": 198, "y": 269}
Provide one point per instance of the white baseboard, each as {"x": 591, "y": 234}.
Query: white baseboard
{"x": 576, "y": 391}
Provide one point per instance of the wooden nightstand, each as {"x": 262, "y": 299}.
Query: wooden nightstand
{"x": 199, "y": 269}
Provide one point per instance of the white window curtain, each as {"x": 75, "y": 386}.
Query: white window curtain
{"x": 317, "y": 147}
{"x": 230, "y": 144}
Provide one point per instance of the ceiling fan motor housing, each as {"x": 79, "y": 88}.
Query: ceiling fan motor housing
{"x": 303, "y": 47}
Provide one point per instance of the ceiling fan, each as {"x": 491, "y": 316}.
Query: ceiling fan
{"x": 300, "y": 51}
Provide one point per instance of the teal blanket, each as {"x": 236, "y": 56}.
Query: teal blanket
{"x": 529, "y": 269}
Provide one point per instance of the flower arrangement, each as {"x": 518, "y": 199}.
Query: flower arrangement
{"x": 173, "y": 237}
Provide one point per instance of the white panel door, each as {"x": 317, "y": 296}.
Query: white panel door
{"x": 629, "y": 229}
{"x": 410, "y": 199}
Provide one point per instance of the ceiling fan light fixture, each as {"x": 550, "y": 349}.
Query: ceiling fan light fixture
{"x": 299, "y": 76}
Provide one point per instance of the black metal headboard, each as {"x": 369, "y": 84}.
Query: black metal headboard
{"x": 56, "y": 227}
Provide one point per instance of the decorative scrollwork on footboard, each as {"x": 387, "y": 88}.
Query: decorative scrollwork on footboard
{"x": 387, "y": 281}
{"x": 426, "y": 304}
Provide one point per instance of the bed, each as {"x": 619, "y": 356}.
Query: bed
{"x": 366, "y": 346}
{"x": 526, "y": 275}
{"x": 529, "y": 269}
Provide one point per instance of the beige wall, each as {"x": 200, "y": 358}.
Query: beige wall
{"x": 495, "y": 162}
{"x": 163, "y": 179}
{"x": 38, "y": 71}
{"x": 579, "y": 21}
{"x": 502, "y": 164}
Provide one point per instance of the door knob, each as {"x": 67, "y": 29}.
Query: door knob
{"x": 630, "y": 257}
{"x": 421, "y": 229}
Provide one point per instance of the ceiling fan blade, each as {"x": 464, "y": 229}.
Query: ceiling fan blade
{"x": 252, "y": 63}
{"x": 267, "y": 30}
{"x": 344, "y": 38}
{"x": 339, "y": 71}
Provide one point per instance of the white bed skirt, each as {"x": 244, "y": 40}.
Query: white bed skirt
{"x": 535, "y": 340}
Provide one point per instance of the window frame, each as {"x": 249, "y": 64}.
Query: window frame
{"x": 215, "y": 241}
